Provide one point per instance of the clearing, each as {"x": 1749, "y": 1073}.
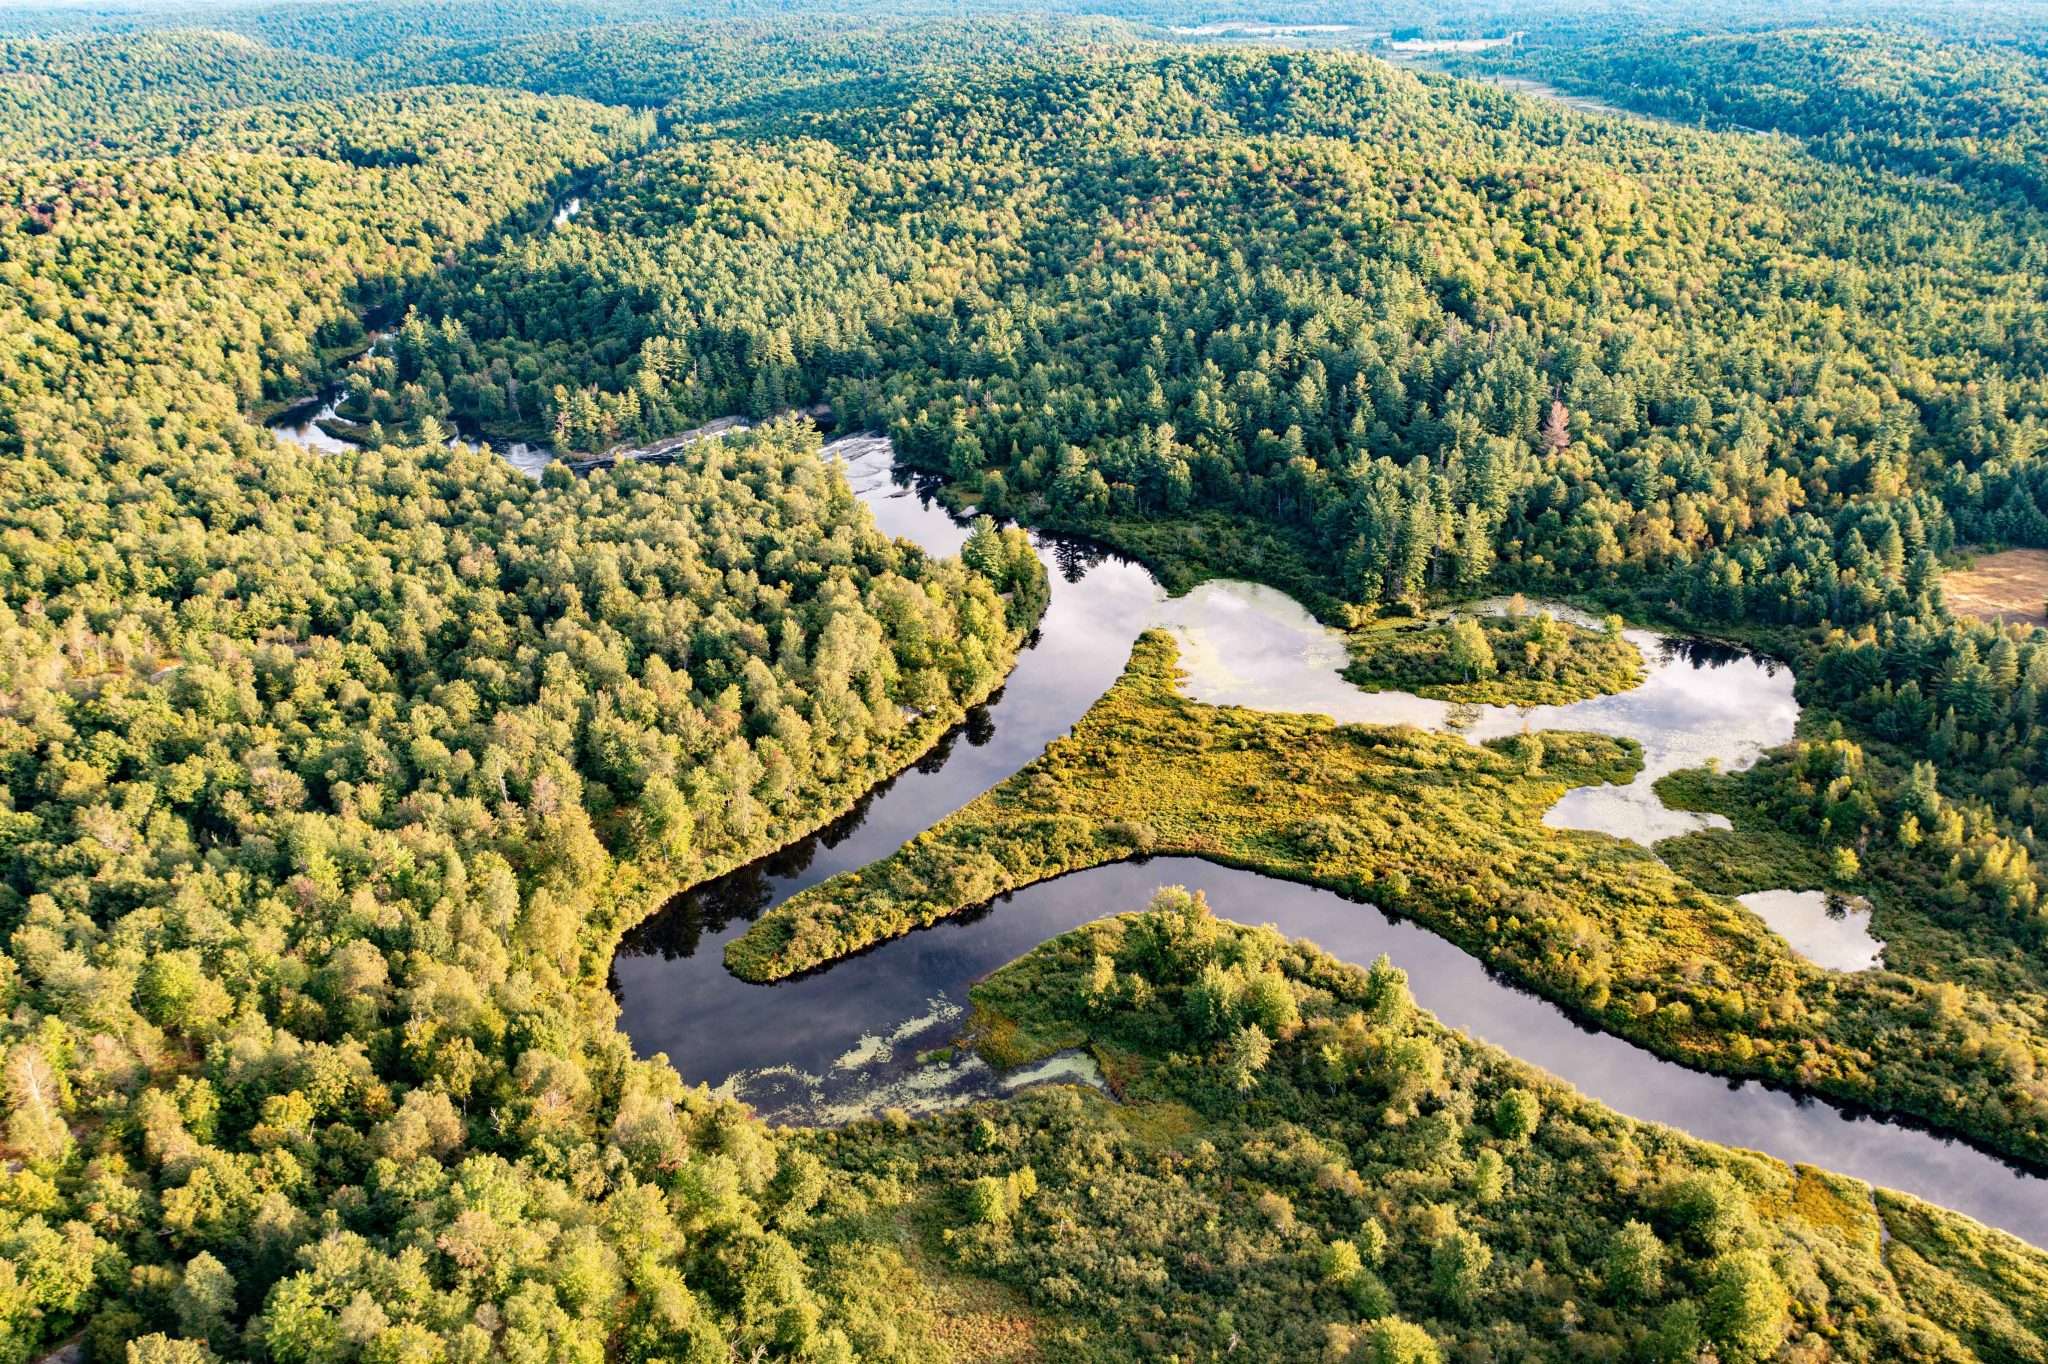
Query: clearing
{"x": 2011, "y": 585}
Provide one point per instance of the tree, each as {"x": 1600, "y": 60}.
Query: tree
{"x": 1458, "y": 1265}
{"x": 1746, "y": 1306}
{"x": 35, "y": 1110}
{"x": 1470, "y": 653}
{"x": 1268, "y": 1002}
{"x": 1248, "y": 1053}
{"x": 1516, "y": 1113}
{"x": 1391, "y": 1340}
{"x": 205, "y": 1300}
{"x": 1633, "y": 1268}
{"x": 158, "y": 1348}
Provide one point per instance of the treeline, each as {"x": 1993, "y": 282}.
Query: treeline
{"x": 1631, "y": 371}
{"x": 244, "y": 261}
{"x": 315, "y": 859}
{"x": 329, "y": 782}
{"x": 1963, "y": 109}
{"x": 114, "y": 94}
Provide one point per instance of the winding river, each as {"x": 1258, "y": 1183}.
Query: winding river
{"x": 873, "y": 1031}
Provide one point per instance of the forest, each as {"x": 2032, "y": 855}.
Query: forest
{"x": 330, "y": 781}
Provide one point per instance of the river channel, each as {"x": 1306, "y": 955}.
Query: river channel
{"x": 872, "y": 1031}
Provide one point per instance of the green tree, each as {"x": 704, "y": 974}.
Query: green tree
{"x": 1633, "y": 1269}
{"x": 1470, "y": 653}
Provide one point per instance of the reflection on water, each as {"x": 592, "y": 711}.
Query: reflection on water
{"x": 742, "y": 895}
{"x": 1099, "y": 603}
{"x": 871, "y": 1032}
{"x": 531, "y": 460}
{"x": 301, "y": 425}
{"x": 1827, "y": 929}
{"x": 1244, "y": 644}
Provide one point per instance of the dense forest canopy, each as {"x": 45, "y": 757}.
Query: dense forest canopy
{"x": 402, "y": 735}
{"x": 328, "y": 782}
{"x": 1719, "y": 376}
{"x": 1962, "y": 108}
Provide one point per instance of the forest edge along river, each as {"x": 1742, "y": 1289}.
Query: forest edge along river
{"x": 873, "y": 1030}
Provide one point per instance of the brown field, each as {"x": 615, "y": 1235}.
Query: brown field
{"x": 2011, "y": 585}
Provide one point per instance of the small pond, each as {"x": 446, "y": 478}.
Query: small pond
{"x": 301, "y": 425}
{"x": 1827, "y": 929}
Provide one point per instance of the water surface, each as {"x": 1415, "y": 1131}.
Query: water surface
{"x": 1243, "y": 644}
{"x": 847, "y": 1040}
{"x": 300, "y": 424}
{"x": 873, "y": 1030}
{"x": 1827, "y": 929}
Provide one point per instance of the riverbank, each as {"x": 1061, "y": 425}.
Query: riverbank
{"x": 1301, "y": 1121}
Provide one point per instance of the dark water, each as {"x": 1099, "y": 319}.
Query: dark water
{"x": 848, "y": 1039}
{"x": 1099, "y": 605}
{"x": 300, "y": 424}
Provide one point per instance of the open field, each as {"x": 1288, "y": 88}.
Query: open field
{"x": 2011, "y": 585}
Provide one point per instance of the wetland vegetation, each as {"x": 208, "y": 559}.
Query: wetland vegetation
{"x": 1516, "y": 658}
{"x": 1298, "y": 1156}
{"x": 1451, "y": 834}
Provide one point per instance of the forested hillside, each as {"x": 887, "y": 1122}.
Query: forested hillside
{"x": 1907, "y": 101}
{"x": 1421, "y": 335}
{"x": 329, "y": 782}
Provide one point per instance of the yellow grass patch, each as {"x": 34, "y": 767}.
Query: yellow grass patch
{"x": 1165, "y": 1123}
{"x": 2010, "y": 586}
{"x": 1835, "y": 1203}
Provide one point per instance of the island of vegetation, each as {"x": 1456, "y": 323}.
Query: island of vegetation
{"x": 1514, "y": 658}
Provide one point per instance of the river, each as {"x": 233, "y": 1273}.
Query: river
{"x": 871, "y": 1031}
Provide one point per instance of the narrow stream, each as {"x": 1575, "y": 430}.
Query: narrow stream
{"x": 871, "y": 1031}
